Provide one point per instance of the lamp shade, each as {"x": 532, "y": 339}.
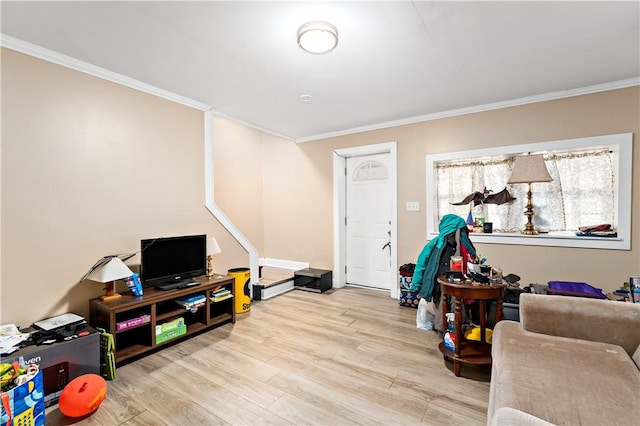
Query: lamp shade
{"x": 529, "y": 168}
{"x": 212, "y": 246}
{"x": 114, "y": 269}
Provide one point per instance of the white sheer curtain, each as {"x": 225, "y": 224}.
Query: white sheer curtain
{"x": 582, "y": 192}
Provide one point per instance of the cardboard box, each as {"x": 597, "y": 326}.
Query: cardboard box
{"x": 63, "y": 361}
{"x": 133, "y": 322}
{"x": 170, "y": 330}
{"x": 170, "y": 334}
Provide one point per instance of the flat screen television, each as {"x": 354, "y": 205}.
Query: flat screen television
{"x": 169, "y": 260}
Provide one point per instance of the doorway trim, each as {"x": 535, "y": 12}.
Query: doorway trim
{"x": 340, "y": 207}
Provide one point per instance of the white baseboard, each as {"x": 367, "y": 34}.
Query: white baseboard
{"x": 276, "y": 290}
{"x": 284, "y": 264}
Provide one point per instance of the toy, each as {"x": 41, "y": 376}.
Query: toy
{"x": 83, "y": 395}
{"x": 474, "y": 334}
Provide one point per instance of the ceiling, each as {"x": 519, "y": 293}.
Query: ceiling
{"x": 396, "y": 62}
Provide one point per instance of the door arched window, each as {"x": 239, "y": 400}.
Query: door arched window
{"x": 370, "y": 170}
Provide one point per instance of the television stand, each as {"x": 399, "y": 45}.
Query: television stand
{"x": 141, "y": 324}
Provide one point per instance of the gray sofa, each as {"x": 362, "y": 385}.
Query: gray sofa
{"x": 570, "y": 361}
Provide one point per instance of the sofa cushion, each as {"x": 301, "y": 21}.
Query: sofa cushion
{"x": 582, "y": 318}
{"x": 562, "y": 380}
{"x": 636, "y": 356}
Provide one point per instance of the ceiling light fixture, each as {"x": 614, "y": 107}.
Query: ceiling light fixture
{"x": 317, "y": 37}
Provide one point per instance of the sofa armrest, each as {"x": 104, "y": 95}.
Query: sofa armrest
{"x": 511, "y": 416}
{"x": 583, "y": 318}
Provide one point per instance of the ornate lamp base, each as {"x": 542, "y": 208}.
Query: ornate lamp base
{"x": 209, "y": 266}
{"x": 529, "y": 232}
{"x": 529, "y": 229}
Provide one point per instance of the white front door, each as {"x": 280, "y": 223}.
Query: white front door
{"x": 368, "y": 223}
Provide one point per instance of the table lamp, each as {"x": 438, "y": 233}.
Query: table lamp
{"x": 108, "y": 272}
{"x": 212, "y": 248}
{"x": 529, "y": 169}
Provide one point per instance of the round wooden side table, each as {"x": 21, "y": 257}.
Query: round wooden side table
{"x": 469, "y": 351}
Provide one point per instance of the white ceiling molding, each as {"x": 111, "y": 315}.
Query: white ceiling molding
{"x": 622, "y": 84}
{"x": 39, "y": 52}
{"x": 251, "y": 125}
{"x": 69, "y": 62}
{"x": 75, "y": 64}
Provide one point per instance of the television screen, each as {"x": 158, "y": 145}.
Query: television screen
{"x": 172, "y": 259}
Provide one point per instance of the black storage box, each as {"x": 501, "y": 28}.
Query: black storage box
{"x": 310, "y": 279}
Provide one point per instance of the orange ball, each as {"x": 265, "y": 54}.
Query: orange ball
{"x": 83, "y": 395}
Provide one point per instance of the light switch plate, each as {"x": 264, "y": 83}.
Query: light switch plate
{"x": 413, "y": 206}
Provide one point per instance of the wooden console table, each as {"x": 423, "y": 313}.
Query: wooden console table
{"x": 469, "y": 351}
{"x": 147, "y": 314}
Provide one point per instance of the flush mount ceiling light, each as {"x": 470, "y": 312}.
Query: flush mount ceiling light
{"x": 317, "y": 37}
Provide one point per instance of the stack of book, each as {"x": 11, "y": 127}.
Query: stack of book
{"x": 192, "y": 303}
{"x": 624, "y": 294}
{"x": 220, "y": 295}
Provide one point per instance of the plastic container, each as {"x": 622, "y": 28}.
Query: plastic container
{"x": 242, "y": 278}
{"x": 451, "y": 316}
{"x": 134, "y": 284}
{"x": 455, "y": 263}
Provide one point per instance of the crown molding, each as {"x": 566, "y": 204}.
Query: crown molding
{"x": 252, "y": 126}
{"x": 620, "y": 84}
{"x": 96, "y": 71}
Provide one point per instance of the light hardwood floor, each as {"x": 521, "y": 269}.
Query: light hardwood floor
{"x": 348, "y": 356}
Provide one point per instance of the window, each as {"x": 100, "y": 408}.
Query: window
{"x": 370, "y": 170}
{"x": 591, "y": 185}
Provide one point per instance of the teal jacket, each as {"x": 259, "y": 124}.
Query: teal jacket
{"x": 428, "y": 262}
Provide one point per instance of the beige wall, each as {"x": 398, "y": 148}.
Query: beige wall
{"x": 89, "y": 168}
{"x": 238, "y": 187}
{"x": 298, "y": 188}
{"x": 298, "y": 203}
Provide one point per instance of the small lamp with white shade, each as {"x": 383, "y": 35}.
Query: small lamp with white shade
{"x": 108, "y": 272}
{"x": 212, "y": 248}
